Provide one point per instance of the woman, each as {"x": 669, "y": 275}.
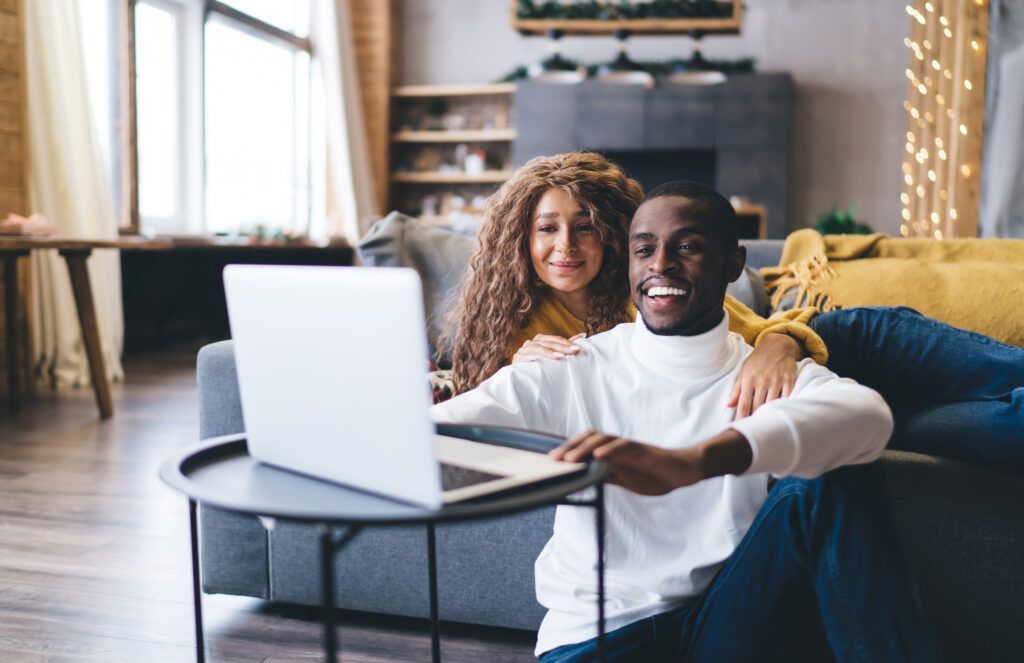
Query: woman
{"x": 551, "y": 265}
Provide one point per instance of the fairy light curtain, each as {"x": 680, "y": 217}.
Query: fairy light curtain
{"x": 945, "y": 111}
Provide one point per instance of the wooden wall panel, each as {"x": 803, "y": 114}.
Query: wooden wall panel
{"x": 372, "y": 30}
{"x": 14, "y": 169}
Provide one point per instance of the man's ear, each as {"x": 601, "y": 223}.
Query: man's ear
{"x": 735, "y": 261}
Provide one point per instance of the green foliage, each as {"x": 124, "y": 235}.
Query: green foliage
{"x": 839, "y": 222}
{"x": 611, "y": 11}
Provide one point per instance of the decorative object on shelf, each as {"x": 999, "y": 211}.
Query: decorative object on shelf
{"x": 623, "y": 70}
{"x": 555, "y": 68}
{"x": 840, "y": 222}
{"x": 696, "y": 70}
{"x": 945, "y": 108}
{"x": 653, "y": 17}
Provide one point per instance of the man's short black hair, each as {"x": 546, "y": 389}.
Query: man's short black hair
{"x": 714, "y": 204}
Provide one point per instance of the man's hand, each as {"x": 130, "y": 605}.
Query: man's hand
{"x": 768, "y": 373}
{"x": 650, "y": 470}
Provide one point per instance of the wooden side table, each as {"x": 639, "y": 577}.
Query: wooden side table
{"x": 75, "y": 253}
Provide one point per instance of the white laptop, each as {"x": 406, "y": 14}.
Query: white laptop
{"x": 332, "y": 365}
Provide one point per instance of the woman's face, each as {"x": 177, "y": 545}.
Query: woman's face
{"x": 565, "y": 247}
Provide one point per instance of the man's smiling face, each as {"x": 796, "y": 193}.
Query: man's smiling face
{"x": 679, "y": 266}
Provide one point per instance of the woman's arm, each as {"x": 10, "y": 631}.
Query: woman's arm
{"x": 779, "y": 345}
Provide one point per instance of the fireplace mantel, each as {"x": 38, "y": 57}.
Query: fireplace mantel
{"x": 746, "y": 123}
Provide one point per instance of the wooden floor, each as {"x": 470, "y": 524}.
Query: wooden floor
{"x": 94, "y": 549}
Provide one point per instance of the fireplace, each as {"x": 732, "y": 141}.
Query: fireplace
{"x": 734, "y": 137}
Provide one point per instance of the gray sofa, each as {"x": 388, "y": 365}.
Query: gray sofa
{"x": 963, "y": 529}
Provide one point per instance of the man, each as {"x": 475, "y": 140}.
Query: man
{"x": 702, "y": 562}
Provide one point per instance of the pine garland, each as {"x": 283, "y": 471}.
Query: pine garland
{"x": 613, "y": 11}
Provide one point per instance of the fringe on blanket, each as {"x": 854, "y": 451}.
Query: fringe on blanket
{"x": 805, "y": 277}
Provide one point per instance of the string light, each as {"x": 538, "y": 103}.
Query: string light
{"x": 927, "y": 44}
{"x": 953, "y": 214}
{"x": 915, "y": 113}
{"x": 906, "y": 214}
{"x": 928, "y": 116}
{"x": 904, "y": 198}
{"x": 931, "y": 175}
{"x": 974, "y": 44}
{"x": 967, "y": 84}
{"x": 943, "y": 21}
{"x": 942, "y": 100}
{"x": 943, "y": 194}
{"x": 963, "y": 129}
{"x": 938, "y": 234}
{"x": 904, "y": 230}
{"x": 966, "y": 170}
{"x": 920, "y": 191}
{"x": 935, "y": 65}
{"x": 908, "y": 179}
{"x": 935, "y": 217}
{"x": 942, "y": 154}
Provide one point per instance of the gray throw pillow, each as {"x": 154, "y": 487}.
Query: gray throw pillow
{"x": 440, "y": 256}
{"x": 749, "y": 289}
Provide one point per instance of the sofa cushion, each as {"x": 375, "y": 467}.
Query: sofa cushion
{"x": 440, "y": 256}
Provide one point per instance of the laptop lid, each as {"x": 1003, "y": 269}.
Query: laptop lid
{"x": 331, "y": 364}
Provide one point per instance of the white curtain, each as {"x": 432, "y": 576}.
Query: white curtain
{"x": 351, "y": 178}
{"x": 67, "y": 183}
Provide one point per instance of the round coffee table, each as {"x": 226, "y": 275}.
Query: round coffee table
{"x": 220, "y": 472}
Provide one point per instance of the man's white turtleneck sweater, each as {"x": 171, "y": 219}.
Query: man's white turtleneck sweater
{"x": 670, "y": 391}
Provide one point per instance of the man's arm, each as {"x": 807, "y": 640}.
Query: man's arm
{"x": 651, "y": 470}
{"x": 520, "y": 396}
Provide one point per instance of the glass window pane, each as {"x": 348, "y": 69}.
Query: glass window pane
{"x": 257, "y": 133}
{"x": 291, "y": 16}
{"x": 156, "y": 89}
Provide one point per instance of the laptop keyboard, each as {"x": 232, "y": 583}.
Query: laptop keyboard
{"x": 455, "y": 476}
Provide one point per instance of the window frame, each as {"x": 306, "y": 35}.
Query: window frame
{"x": 191, "y": 194}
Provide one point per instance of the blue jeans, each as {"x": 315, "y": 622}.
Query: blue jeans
{"x": 819, "y": 576}
{"x": 953, "y": 393}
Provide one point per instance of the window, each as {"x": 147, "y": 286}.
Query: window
{"x": 223, "y": 113}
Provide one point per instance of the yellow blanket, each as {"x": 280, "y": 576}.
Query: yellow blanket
{"x": 975, "y": 284}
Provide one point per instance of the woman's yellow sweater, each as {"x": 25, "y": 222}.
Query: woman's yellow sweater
{"x": 554, "y": 319}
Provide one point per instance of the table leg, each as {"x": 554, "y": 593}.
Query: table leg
{"x": 327, "y": 575}
{"x": 79, "y": 272}
{"x": 599, "y": 507}
{"x": 197, "y": 592}
{"x": 330, "y": 544}
{"x": 13, "y": 335}
{"x": 435, "y": 630}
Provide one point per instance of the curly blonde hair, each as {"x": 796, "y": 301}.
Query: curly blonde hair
{"x": 503, "y": 289}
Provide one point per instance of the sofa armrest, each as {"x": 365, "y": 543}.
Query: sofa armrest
{"x": 220, "y": 407}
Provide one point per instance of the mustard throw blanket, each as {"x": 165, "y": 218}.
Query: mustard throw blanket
{"x": 975, "y": 284}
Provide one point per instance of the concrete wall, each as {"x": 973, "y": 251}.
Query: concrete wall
{"x": 846, "y": 56}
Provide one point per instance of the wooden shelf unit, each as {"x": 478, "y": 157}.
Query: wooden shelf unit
{"x": 642, "y": 26}
{"x": 441, "y": 177}
{"x": 463, "y": 136}
{"x": 432, "y": 125}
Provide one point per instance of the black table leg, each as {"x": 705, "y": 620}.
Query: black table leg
{"x": 327, "y": 574}
{"x": 330, "y": 544}
{"x": 435, "y": 630}
{"x": 197, "y": 604}
{"x": 599, "y": 507}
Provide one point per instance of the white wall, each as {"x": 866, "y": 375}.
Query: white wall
{"x": 846, "y": 56}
